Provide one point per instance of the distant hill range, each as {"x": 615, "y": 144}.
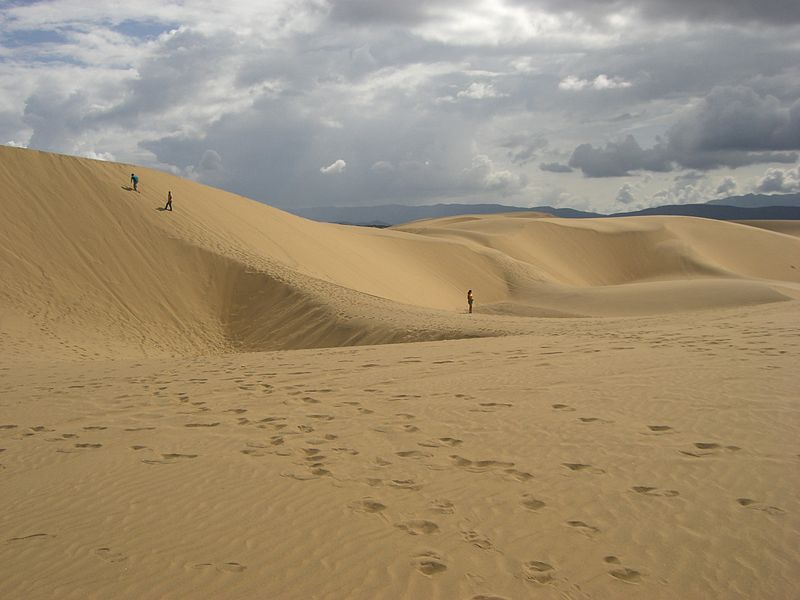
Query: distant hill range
{"x": 394, "y": 214}
{"x": 759, "y": 200}
{"x": 734, "y": 208}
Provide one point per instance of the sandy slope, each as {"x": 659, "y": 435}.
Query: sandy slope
{"x": 90, "y": 268}
{"x": 787, "y": 227}
{"x": 150, "y": 448}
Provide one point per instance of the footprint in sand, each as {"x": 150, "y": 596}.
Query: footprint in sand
{"x": 95, "y": 428}
{"x": 532, "y": 503}
{"x": 443, "y": 507}
{"x": 429, "y": 563}
{"x": 477, "y": 539}
{"x": 214, "y": 424}
{"x": 563, "y": 407}
{"x": 367, "y": 505}
{"x": 40, "y": 428}
{"x": 418, "y": 527}
{"x": 31, "y": 537}
{"x": 479, "y": 466}
{"x": 88, "y": 445}
{"x": 583, "y": 528}
{"x": 660, "y": 429}
{"x": 623, "y": 573}
{"x": 584, "y": 468}
{"x": 405, "y": 484}
{"x": 350, "y": 451}
{"x": 627, "y": 575}
{"x": 754, "y": 505}
{"x": 413, "y": 454}
{"x": 538, "y": 571}
{"x": 647, "y": 490}
{"x": 253, "y": 452}
{"x": 594, "y": 420}
{"x": 228, "y": 567}
{"x": 709, "y": 449}
{"x": 109, "y": 555}
{"x": 169, "y": 459}
{"x": 441, "y": 442}
{"x": 516, "y": 475}
{"x": 488, "y": 597}
{"x": 8, "y": 426}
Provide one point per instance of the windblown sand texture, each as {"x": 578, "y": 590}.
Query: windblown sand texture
{"x": 228, "y": 401}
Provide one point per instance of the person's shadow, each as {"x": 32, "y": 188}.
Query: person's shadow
{"x": 127, "y": 188}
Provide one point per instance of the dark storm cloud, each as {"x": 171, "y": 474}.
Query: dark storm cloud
{"x": 731, "y": 127}
{"x": 738, "y": 119}
{"x": 619, "y": 158}
{"x": 774, "y": 12}
{"x": 405, "y": 12}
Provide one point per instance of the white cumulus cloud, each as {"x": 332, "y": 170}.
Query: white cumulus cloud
{"x": 782, "y": 181}
{"x": 338, "y": 166}
{"x": 601, "y": 82}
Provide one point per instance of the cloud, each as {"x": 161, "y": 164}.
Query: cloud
{"x": 487, "y": 176}
{"x": 620, "y": 158}
{"x": 210, "y": 161}
{"x": 726, "y": 187}
{"x": 336, "y": 167}
{"x": 555, "y": 167}
{"x": 601, "y": 82}
{"x": 779, "y": 181}
{"x": 730, "y": 127}
{"x": 773, "y": 12}
{"x": 428, "y": 100}
{"x": 107, "y": 156}
{"x": 524, "y": 148}
{"x": 479, "y": 91}
{"x": 625, "y": 195}
{"x": 687, "y": 188}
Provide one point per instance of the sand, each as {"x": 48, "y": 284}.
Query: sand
{"x": 228, "y": 401}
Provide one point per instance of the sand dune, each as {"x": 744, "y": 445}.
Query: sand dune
{"x": 618, "y": 420}
{"x": 787, "y": 227}
{"x": 87, "y": 263}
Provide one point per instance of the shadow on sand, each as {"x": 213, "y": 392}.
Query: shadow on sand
{"x": 127, "y": 188}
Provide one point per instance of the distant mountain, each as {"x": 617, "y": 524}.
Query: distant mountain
{"x": 394, "y": 214}
{"x": 759, "y": 200}
{"x": 723, "y": 213}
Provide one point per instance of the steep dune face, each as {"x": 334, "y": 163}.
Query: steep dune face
{"x": 90, "y": 268}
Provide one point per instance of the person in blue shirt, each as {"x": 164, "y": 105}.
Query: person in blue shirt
{"x": 135, "y": 182}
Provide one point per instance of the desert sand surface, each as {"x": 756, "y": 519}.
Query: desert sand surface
{"x": 228, "y": 401}
{"x": 787, "y": 227}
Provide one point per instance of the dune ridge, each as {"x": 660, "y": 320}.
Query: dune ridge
{"x": 86, "y": 262}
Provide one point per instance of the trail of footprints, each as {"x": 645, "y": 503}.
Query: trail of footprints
{"x": 314, "y": 459}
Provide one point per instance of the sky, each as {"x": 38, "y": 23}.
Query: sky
{"x": 603, "y": 105}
